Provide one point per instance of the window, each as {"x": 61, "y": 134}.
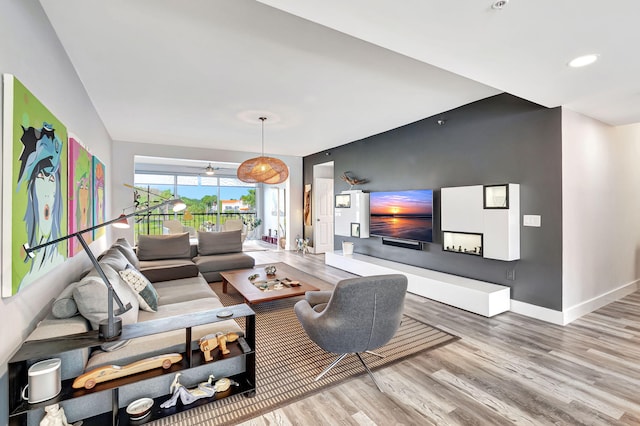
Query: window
{"x": 210, "y": 200}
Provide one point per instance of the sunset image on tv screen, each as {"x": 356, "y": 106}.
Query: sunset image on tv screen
{"x": 404, "y": 215}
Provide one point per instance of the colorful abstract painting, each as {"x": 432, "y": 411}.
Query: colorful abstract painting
{"x": 99, "y": 215}
{"x": 80, "y": 196}
{"x": 34, "y": 179}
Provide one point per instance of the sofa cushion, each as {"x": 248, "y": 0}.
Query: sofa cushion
{"x": 125, "y": 248}
{"x": 183, "y": 290}
{"x": 168, "y": 269}
{"x": 156, "y": 247}
{"x": 147, "y": 295}
{"x": 65, "y": 306}
{"x": 219, "y": 242}
{"x": 91, "y": 296}
{"x": 223, "y": 262}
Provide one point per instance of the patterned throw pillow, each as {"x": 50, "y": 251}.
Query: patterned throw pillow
{"x": 147, "y": 295}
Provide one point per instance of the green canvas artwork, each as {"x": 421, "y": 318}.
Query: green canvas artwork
{"x": 34, "y": 187}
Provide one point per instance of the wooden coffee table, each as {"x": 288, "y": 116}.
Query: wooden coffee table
{"x": 239, "y": 279}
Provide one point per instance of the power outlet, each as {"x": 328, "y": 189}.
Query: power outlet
{"x": 511, "y": 274}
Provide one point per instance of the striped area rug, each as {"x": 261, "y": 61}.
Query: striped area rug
{"x": 287, "y": 363}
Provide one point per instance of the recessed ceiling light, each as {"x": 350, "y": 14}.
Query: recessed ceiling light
{"x": 583, "y": 61}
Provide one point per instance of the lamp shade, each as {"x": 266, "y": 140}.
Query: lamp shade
{"x": 122, "y": 222}
{"x": 263, "y": 169}
{"x": 178, "y": 205}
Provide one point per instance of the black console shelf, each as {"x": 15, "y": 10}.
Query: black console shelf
{"x": 37, "y": 349}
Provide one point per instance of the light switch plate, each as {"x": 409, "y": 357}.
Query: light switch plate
{"x": 532, "y": 220}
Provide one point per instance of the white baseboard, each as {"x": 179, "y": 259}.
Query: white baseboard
{"x": 571, "y": 314}
{"x": 576, "y": 311}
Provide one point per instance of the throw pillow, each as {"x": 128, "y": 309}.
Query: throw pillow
{"x": 114, "y": 258}
{"x": 147, "y": 294}
{"x": 125, "y": 248}
{"x": 64, "y": 306}
{"x": 219, "y": 242}
{"x": 156, "y": 247}
{"x": 91, "y": 296}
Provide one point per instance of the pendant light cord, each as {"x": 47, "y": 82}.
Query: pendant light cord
{"x": 262, "y": 119}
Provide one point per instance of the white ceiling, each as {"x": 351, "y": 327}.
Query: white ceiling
{"x": 200, "y": 72}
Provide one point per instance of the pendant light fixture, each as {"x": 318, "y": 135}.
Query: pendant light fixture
{"x": 209, "y": 171}
{"x": 263, "y": 169}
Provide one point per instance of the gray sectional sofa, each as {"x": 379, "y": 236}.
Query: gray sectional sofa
{"x": 181, "y": 287}
{"x": 171, "y": 265}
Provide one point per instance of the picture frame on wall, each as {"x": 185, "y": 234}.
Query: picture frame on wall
{"x": 355, "y": 230}
{"x": 496, "y": 196}
{"x": 307, "y": 205}
{"x": 80, "y": 192}
{"x": 34, "y": 209}
{"x": 343, "y": 201}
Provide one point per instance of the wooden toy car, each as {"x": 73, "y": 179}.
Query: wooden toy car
{"x": 109, "y": 372}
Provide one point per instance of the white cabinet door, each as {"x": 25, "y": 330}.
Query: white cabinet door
{"x": 461, "y": 209}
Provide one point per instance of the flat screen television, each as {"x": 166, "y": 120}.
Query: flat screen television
{"x": 405, "y": 215}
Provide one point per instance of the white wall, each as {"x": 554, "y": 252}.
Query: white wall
{"x": 30, "y": 50}
{"x": 124, "y": 172}
{"x": 601, "y": 212}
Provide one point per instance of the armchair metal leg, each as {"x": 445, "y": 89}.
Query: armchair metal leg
{"x": 370, "y": 373}
{"x": 374, "y": 353}
{"x": 333, "y": 364}
{"x": 366, "y": 367}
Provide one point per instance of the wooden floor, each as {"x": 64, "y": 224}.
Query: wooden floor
{"x": 509, "y": 369}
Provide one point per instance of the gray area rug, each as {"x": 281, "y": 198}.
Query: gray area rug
{"x": 287, "y": 363}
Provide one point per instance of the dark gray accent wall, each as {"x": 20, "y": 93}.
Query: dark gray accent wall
{"x": 502, "y": 139}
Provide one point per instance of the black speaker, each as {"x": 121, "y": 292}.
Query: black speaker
{"x": 414, "y": 245}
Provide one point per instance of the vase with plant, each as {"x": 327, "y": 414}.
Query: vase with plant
{"x": 252, "y": 223}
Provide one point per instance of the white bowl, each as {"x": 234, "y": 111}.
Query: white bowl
{"x": 139, "y": 408}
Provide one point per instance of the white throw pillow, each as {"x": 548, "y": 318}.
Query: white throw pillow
{"x": 147, "y": 295}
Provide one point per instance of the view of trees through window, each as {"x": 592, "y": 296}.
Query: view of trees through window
{"x": 210, "y": 200}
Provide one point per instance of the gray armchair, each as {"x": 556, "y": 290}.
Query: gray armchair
{"x": 359, "y": 315}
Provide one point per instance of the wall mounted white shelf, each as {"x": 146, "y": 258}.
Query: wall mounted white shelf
{"x": 491, "y": 210}
{"x": 352, "y": 214}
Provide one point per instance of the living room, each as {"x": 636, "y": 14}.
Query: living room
{"x": 576, "y": 172}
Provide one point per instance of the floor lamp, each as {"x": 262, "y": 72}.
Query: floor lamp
{"x": 110, "y": 328}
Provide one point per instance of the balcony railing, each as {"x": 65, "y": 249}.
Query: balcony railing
{"x": 151, "y": 224}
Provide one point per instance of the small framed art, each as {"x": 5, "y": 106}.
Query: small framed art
{"x": 343, "y": 201}
{"x": 355, "y": 229}
{"x": 496, "y": 196}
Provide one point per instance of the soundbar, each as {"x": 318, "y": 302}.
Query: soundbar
{"x": 414, "y": 245}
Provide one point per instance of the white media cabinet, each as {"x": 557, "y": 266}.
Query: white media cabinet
{"x": 480, "y": 297}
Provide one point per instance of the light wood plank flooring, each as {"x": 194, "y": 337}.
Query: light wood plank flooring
{"x": 505, "y": 370}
